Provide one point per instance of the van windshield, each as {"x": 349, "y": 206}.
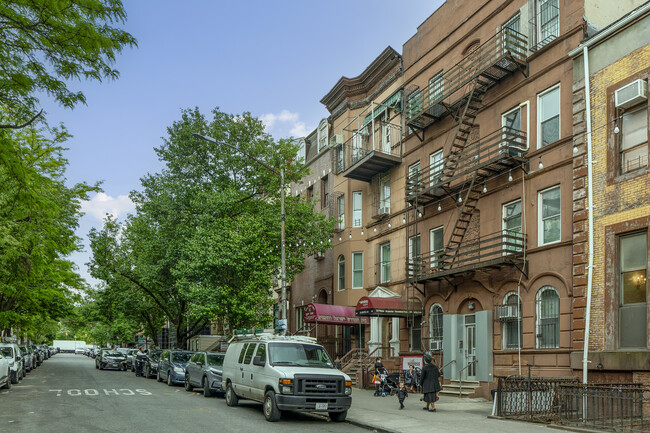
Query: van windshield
{"x": 299, "y": 354}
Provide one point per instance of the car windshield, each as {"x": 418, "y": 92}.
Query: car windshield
{"x": 299, "y": 354}
{"x": 7, "y": 351}
{"x": 215, "y": 360}
{"x": 154, "y": 356}
{"x": 182, "y": 357}
{"x": 113, "y": 353}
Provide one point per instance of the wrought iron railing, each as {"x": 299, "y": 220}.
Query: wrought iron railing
{"x": 497, "y": 151}
{"x": 545, "y": 24}
{"x": 386, "y": 138}
{"x": 506, "y": 43}
{"x": 503, "y": 246}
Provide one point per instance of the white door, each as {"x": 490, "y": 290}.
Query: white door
{"x": 470, "y": 347}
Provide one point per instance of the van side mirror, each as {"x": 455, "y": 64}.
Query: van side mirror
{"x": 259, "y": 361}
{"x": 199, "y": 363}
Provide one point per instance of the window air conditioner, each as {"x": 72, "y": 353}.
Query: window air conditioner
{"x": 507, "y": 312}
{"x": 631, "y": 94}
{"x": 336, "y": 140}
{"x": 435, "y": 345}
{"x": 384, "y": 211}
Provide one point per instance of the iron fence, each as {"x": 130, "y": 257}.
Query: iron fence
{"x": 611, "y": 407}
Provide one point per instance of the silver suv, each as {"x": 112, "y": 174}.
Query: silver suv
{"x": 285, "y": 373}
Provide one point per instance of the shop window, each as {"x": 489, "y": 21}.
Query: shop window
{"x": 632, "y": 290}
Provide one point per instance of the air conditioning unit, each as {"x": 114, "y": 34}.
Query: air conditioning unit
{"x": 507, "y": 312}
{"x": 384, "y": 211}
{"x": 631, "y": 94}
{"x": 336, "y": 139}
{"x": 435, "y": 345}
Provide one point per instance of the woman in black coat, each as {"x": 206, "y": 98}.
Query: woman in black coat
{"x": 430, "y": 381}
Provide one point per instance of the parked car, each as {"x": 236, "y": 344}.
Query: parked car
{"x": 130, "y": 359}
{"x": 151, "y": 364}
{"x": 12, "y": 351}
{"x": 110, "y": 358}
{"x": 27, "y": 358}
{"x": 171, "y": 367}
{"x": 95, "y": 352}
{"x": 204, "y": 371}
{"x": 285, "y": 373}
{"x": 5, "y": 373}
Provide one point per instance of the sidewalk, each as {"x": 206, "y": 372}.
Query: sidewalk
{"x": 453, "y": 415}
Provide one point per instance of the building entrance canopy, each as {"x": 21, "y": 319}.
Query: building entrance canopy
{"x": 384, "y": 307}
{"x": 332, "y": 315}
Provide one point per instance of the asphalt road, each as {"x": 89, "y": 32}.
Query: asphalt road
{"x": 67, "y": 394}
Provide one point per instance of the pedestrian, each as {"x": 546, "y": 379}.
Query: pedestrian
{"x": 430, "y": 381}
{"x": 410, "y": 379}
{"x": 139, "y": 362}
{"x": 337, "y": 363}
{"x": 402, "y": 394}
{"x": 379, "y": 367}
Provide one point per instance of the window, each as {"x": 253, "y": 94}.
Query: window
{"x": 384, "y": 195}
{"x": 632, "y": 288}
{"x": 548, "y": 21}
{"x": 357, "y": 144}
{"x": 356, "y": 208}
{"x": 549, "y": 216}
{"x": 511, "y": 327}
{"x": 436, "y": 88}
{"x": 341, "y": 208}
{"x": 243, "y": 352}
{"x": 357, "y": 270}
{"x": 512, "y": 239}
{"x": 436, "y": 165}
{"x": 634, "y": 140}
{"x": 341, "y": 268}
{"x": 384, "y": 263}
{"x": 261, "y": 351}
{"x": 414, "y": 175}
{"x": 340, "y": 158}
{"x": 512, "y": 119}
{"x": 511, "y": 30}
{"x": 302, "y": 151}
{"x": 415, "y": 332}
{"x": 548, "y": 115}
{"x": 513, "y": 23}
{"x": 414, "y": 255}
{"x": 437, "y": 247}
{"x": 385, "y": 137}
{"x": 435, "y": 322}
{"x": 324, "y": 191}
{"x": 322, "y": 135}
{"x": 310, "y": 193}
{"x": 249, "y": 353}
{"x": 547, "y": 318}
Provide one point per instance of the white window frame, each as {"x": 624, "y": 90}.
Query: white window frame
{"x": 322, "y": 134}
{"x": 540, "y": 219}
{"x": 640, "y": 145}
{"x": 538, "y": 12}
{"x": 436, "y": 86}
{"x": 504, "y": 343}
{"x": 411, "y": 243}
{"x": 436, "y": 165}
{"x": 341, "y": 211}
{"x": 340, "y": 263}
{"x": 384, "y": 193}
{"x": 357, "y": 271}
{"x": 384, "y": 265}
{"x": 540, "y": 96}
{"x": 507, "y": 249}
{"x": 357, "y": 212}
{"x": 538, "y": 318}
{"x": 385, "y": 137}
{"x": 431, "y": 327}
{"x": 435, "y": 253}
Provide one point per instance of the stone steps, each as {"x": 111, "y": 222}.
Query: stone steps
{"x": 456, "y": 389}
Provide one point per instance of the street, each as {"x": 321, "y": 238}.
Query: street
{"x": 67, "y": 394}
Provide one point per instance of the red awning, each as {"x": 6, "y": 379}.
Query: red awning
{"x": 385, "y": 307}
{"x": 332, "y": 315}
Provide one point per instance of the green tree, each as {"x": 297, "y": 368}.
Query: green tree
{"x": 38, "y": 218}
{"x": 205, "y": 240}
{"x": 48, "y": 43}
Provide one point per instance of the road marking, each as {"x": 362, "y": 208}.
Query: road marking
{"x": 94, "y": 392}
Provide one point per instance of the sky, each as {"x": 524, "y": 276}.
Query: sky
{"x": 275, "y": 59}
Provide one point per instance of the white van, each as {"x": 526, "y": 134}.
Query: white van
{"x": 285, "y": 373}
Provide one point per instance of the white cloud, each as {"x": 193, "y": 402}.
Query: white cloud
{"x": 285, "y": 121}
{"x": 103, "y": 204}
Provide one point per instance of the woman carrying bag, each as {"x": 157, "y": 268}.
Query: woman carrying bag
{"x": 430, "y": 381}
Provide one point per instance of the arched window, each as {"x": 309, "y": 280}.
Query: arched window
{"x": 510, "y": 316}
{"x": 435, "y": 325}
{"x": 547, "y": 318}
{"x": 322, "y": 134}
{"x": 341, "y": 266}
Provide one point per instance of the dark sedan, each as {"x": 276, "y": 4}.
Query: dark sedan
{"x": 151, "y": 364}
{"x": 204, "y": 371}
{"x": 108, "y": 358}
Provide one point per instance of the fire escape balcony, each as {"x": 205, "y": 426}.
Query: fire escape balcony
{"x": 487, "y": 157}
{"x": 494, "y": 251}
{"x": 373, "y": 149}
{"x": 501, "y": 55}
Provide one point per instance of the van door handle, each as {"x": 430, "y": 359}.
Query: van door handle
{"x": 251, "y": 376}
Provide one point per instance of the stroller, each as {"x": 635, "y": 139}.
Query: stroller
{"x": 388, "y": 384}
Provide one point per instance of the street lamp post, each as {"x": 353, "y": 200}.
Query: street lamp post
{"x": 283, "y": 255}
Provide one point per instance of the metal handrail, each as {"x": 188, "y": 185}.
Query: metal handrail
{"x": 460, "y": 376}
{"x": 364, "y": 141}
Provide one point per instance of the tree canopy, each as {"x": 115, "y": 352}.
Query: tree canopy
{"x": 204, "y": 244}
{"x": 48, "y": 43}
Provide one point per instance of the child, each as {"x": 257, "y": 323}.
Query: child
{"x": 402, "y": 394}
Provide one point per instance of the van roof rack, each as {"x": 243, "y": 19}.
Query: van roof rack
{"x": 266, "y": 335}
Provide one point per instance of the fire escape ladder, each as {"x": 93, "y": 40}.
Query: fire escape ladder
{"x": 462, "y": 222}
{"x": 466, "y": 121}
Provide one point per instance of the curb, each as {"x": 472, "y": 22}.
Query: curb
{"x": 370, "y": 426}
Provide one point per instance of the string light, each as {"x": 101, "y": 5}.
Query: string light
{"x": 510, "y": 176}
{"x": 374, "y": 229}
{"x": 460, "y": 199}
{"x": 339, "y": 238}
{"x": 439, "y": 207}
{"x": 420, "y": 214}
{"x": 361, "y": 232}
{"x": 403, "y": 220}
{"x": 541, "y": 166}
{"x": 617, "y": 129}
{"x": 389, "y": 224}
{"x": 350, "y": 236}
{"x": 484, "y": 188}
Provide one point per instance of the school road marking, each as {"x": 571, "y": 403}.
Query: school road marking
{"x": 93, "y": 392}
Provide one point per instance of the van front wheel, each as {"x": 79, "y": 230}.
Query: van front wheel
{"x": 338, "y": 416}
{"x": 231, "y": 397}
{"x": 271, "y": 411}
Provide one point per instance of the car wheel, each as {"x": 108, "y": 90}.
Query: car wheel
{"x": 96, "y": 365}
{"x": 188, "y": 386}
{"x": 14, "y": 377}
{"x": 169, "y": 378}
{"x": 271, "y": 411}
{"x": 206, "y": 387}
{"x": 101, "y": 367}
{"x": 158, "y": 378}
{"x": 338, "y": 416}
{"x": 8, "y": 383}
{"x": 231, "y": 398}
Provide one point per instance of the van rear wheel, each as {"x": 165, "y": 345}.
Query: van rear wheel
{"x": 231, "y": 398}
{"x": 271, "y": 411}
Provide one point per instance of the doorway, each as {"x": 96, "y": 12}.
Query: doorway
{"x": 470, "y": 347}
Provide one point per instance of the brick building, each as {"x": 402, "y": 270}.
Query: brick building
{"x": 618, "y": 67}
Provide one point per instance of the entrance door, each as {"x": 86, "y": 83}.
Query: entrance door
{"x": 470, "y": 347}
{"x": 346, "y": 340}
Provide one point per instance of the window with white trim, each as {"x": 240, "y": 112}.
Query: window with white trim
{"x": 436, "y": 243}
{"x": 436, "y": 165}
{"x": 384, "y": 194}
{"x": 548, "y": 116}
{"x": 341, "y": 211}
{"x": 436, "y": 87}
{"x": 357, "y": 197}
{"x": 547, "y": 318}
{"x": 435, "y": 323}
{"x": 511, "y": 321}
{"x": 322, "y": 134}
{"x": 341, "y": 273}
{"x": 549, "y": 219}
{"x": 633, "y": 290}
{"x": 512, "y": 227}
{"x": 357, "y": 270}
{"x": 384, "y": 263}
{"x": 633, "y": 146}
